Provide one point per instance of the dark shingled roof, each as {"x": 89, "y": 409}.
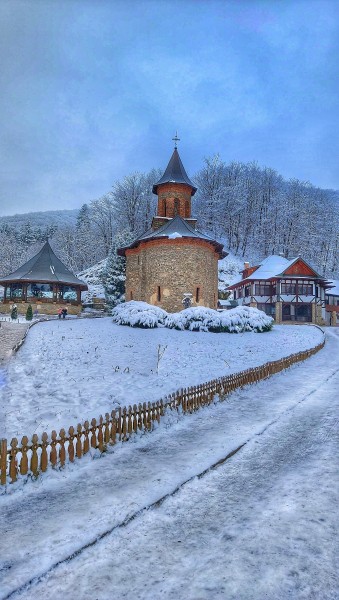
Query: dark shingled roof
{"x": 44, "y": 267}
{"x": 175, "y": 228}
{"x": 175, "y": 173}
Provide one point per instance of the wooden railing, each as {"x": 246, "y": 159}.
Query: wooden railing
{"x": 30, "y": 458}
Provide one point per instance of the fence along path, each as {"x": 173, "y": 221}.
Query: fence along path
{"x": 31, "y": 457}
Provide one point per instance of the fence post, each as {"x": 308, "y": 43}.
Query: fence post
{"x": 3, "y": 461}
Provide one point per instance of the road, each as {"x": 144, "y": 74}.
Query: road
{"x": 151, "y": 521}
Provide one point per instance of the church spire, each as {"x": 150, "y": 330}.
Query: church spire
{"x": 175, "y": 172}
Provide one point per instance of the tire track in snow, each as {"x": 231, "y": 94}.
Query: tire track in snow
{"x": 36, "y": 579}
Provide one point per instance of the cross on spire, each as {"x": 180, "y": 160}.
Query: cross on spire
{"x": 176, "y": 139}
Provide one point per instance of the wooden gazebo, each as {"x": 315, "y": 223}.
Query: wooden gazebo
{"x": 45, "y": 283}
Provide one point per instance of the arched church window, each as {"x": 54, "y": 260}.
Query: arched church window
{"x": 187, "y": 208}
{"x": 176, "y": 206}
{"x": 165, "y": 208}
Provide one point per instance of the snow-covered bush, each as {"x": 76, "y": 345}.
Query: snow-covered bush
{"x": 138, "y": 314}
{"x": 195, "y": 319}
{"x": 245, "y": 318}
{"x": 236, "y": 320}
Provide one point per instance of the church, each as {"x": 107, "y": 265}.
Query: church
{"x": 173, "y": 265}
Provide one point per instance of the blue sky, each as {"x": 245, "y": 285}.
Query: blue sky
{"x": 94, "y": 90}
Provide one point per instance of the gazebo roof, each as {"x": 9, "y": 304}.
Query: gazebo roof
{"x": 175, "y": 228}
{"x": 174, "y": 173}
{"x": 44, "y": 267}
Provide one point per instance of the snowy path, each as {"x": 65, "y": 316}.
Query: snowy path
{"x": 10, "y": 335}
{"x": 261, "y": 525}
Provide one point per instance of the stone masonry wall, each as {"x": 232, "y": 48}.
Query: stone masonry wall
{"x": 170, "y": 193}
{"x": 176, "y": 267}
{"x": 43, "y": 308}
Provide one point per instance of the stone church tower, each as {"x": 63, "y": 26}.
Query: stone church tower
{"x": 173, "y": 259}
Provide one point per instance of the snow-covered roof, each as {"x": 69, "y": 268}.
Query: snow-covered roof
{"x": 44, "y": 266}
{"x": 174, "y": 228}
{"x": 334, "y": 291}
{"x": 271, "y": 267}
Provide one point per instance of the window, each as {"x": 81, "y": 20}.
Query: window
{"x": 197, "y": 294}
{"x": 16, "y": 290}
{"x": 288, "y": 288}
{"x": 263, "y": 289}
{"x": 286, "y": 312}
{"x": 131, "y": 295}
{"x": 303, "y": 313}
{"x": 305, "y": 289}
{"x": 176, "y": 206}
{"x": 269, "y": 309}
{"x": 159, "y": 294}
{"x": 247, "y": 291}
{"x": 39, "y": 290}
{"x": 187, "y": 209}
{"x": 68, "y": 292}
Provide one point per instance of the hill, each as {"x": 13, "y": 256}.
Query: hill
{"x": 41, "y": 219}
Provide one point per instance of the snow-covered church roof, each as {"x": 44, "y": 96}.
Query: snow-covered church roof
{"x": 174, "y": 228}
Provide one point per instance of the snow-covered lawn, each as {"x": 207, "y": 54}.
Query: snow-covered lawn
{"x": 262, "y": 525}
{"x": 72, "y": 370}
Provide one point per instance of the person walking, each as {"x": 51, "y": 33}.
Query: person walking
{"x": 59, "y": 313}
{"x": 64, "y": 312}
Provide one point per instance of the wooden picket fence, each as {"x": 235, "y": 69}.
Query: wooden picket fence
{"x": 36, "y": 456}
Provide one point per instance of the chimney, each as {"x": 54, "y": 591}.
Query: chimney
{"x": 246, "y": 265}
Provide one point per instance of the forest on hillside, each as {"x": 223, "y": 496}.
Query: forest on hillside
{"x": 252, "y": 209}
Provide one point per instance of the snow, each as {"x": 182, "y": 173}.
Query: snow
{"x": 271, "y": 266}
{"x": 93, "y": 277}
{"x": 139, "y": 314}
{"x": 197, "y": 318}
{"x": 263, "y": 524}
{"x": 228, "y": 271}
{"x": 73, "y": 370}
{"x": 174, "y": 235}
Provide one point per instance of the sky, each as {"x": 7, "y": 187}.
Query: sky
{"x": 92, "y": 91}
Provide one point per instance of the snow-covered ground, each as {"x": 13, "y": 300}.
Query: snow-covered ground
{"x": 261, "y": 525}
{"x": 73, "y": 370}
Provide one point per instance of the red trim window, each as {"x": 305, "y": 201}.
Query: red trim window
{"x": 305, "y": 289}
{"x": 263, "y": 289}
{"x": 288, "y": 287}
